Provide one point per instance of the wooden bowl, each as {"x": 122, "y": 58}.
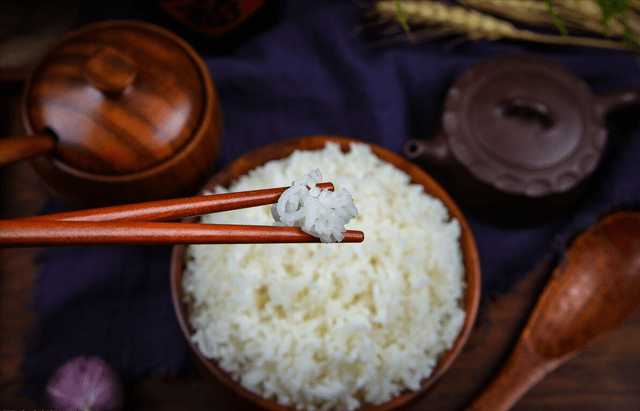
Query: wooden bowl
{"x": 133, "y": 113}
{"x": 283, "y": 149}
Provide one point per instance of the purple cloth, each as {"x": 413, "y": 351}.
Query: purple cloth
{"x": 309, "y": 74}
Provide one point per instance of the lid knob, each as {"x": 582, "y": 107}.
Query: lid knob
{"x": 110, "y": 70}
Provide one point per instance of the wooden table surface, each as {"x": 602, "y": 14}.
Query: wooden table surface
{"x": 606, "y": 376}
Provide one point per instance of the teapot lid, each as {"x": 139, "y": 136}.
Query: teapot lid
{"x": 524, "y": 125}
{"x": 120, "y": 96}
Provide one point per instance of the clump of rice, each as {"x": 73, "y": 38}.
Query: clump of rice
{"x": 321, "y": 213}
{"x": 320, "y": 327}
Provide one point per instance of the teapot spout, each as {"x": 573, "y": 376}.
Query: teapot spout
{"x": 432, "y": 151}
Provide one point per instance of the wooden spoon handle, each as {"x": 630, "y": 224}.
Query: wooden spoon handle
{"x": 18, "y": 148}
{"x": 523, "y": 369}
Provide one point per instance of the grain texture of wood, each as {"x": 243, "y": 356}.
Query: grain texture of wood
{"x": 21, "y": 195}
{"x": 28, "y": 233}
{"x": 177, "y": 208}
{"x": 119, "y": 97}
{"x": 16, "y": 148}
{"x": 133, "y": 112}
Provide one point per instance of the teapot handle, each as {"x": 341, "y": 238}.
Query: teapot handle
{"x": 614, "y": 101}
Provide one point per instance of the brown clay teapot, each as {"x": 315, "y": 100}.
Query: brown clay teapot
{"x": 518, "y": 138}
{"x": 119, "y": 112}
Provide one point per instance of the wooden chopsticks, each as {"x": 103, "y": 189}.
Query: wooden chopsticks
{"x": 142, "y": 224}
{"x": 58, "y": 233}
{"x": 175, "y": 209}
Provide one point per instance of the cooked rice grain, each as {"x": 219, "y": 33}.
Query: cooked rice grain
{"x": 318, "y": 326}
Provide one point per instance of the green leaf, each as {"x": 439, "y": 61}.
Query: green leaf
{"x": 401, "y": 18}
{"x": 555, "y": 18}
{"x": 610, "y": 9}
{"x": 616, "y": 9}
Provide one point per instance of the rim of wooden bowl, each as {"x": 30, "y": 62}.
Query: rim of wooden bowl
{"x": 282, "y": 149}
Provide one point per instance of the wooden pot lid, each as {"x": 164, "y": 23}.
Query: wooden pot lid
{"x": 120, "y": 96}
{"x": 524, "y": 125}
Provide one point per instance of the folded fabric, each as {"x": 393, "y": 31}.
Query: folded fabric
{"x": 311, "y": 73}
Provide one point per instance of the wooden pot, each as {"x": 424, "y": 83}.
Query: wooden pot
{"x": 121, "y": 112}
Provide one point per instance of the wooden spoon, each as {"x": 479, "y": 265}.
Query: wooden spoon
{"x": 593, "y": 290}
{"x": 16, "y": 148}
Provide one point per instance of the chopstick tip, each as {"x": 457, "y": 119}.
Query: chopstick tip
{"x": 353, "y": 236}
{"x": 327, "y": 185}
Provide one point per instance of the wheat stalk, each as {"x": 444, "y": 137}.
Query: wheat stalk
{"x": 582, "y": 15}
{"x": 531, "y": 11}
{"x": 587, "y": 14}
{"x": 441, "y": 19}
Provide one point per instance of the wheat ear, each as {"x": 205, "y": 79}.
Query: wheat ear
{"x": 526, "y": 11}
{"x": 584, "y": 15}
{"x": 443, "y": 20}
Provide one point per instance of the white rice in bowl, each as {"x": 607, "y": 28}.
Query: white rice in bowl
{"x": 332, "y": 326}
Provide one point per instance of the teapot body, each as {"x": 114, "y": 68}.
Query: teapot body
{"x": 518, "y": 139}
